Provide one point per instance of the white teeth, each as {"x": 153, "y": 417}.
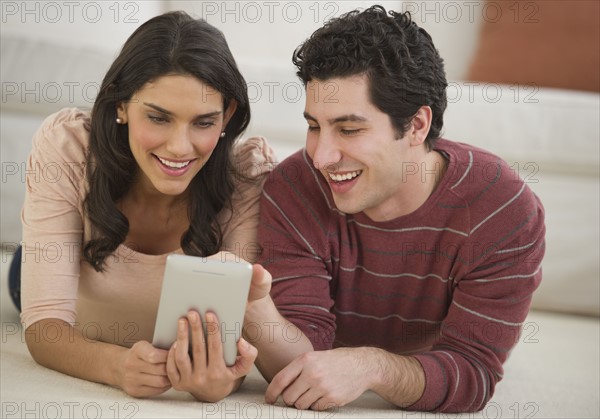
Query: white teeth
{"x": 172, "y": 164}
{"x": 345, "y": 176}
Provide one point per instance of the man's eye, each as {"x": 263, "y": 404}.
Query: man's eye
{"x": 312, "y": 128}
{"x": 350, "y": 131}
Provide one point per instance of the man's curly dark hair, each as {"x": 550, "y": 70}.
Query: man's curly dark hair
{"x": 404, "y": 69}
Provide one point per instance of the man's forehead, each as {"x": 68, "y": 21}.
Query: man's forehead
{"x": 339, "y": 100}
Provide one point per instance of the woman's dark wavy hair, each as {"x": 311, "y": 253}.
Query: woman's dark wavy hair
{"x": 404, "y": 69}
{"x": 172, "y": 43}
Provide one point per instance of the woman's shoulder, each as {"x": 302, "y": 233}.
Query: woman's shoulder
{"x": 64, "y": 133}
{"x": 253, "y": 157}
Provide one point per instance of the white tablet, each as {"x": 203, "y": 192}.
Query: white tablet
{"x": 204, "y": 285}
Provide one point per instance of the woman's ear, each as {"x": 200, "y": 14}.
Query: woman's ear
{"x": 420, "y": 125}
{"x": 229, "y": 112}
{"x": 122, "y": 112}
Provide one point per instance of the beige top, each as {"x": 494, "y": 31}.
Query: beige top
{"x": 119, "y": 305}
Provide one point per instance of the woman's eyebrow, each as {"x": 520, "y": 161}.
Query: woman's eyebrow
{"x": 158, "y": 108}
{"x": 163, "y": 110}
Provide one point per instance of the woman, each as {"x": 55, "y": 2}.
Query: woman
{"x": 148, "y": 173}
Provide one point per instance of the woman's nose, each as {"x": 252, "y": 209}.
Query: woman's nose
{"x": 180, "y": 143}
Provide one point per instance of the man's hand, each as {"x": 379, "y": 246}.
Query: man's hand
{"x": 261, "y": 283}
{"x": 328, "y": 379}
{"x": 323, "y": 380}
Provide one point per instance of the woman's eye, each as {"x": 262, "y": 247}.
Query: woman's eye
{"x": 157, "y": 119}
{"x": 205, "y": 124}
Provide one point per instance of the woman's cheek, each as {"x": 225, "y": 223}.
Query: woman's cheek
{"x": 151, "y": 137}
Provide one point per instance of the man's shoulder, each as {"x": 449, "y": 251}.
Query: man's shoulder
{"x": 488, "y": 186}
{"x": 472, "y": 169}
{"x": 465, "y": 153}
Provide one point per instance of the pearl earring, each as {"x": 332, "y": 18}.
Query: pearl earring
{"x": 119, "y": 121}
{"x": 223, "y": 134}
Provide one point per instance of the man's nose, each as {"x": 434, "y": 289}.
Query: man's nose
{"x": 327, "y": 153}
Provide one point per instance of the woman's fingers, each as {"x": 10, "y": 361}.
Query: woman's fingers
{"x": 245, "y": 360}
{"x": 214, "y": 343}
{"x": 199, "y": 356}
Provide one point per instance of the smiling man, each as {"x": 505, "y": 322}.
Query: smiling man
{"x": 402, "y": 263}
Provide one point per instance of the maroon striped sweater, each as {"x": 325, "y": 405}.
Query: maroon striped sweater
{"x": 450, "y": 283}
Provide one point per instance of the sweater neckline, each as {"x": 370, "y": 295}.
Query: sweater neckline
{"x": 442, "y": 146}
{"x": 128, "y": 254}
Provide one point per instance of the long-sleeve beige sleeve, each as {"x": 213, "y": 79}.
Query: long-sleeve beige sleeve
{"x": 52, "y": 218}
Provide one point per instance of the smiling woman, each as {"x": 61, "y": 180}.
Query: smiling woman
{"x": 175, "y": 138}
{"x": 153, "y": 170}
{"x": 172, "y": 135}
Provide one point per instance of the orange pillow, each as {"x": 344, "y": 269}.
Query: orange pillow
{"x": 551, "y": 43}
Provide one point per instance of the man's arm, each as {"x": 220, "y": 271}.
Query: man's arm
{"x": 287, "y": 360}
{"x": 327, "y": 379}
{"x": 294, "y": 251}
{"x": 278, "y": 341}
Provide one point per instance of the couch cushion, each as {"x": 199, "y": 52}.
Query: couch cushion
{"x": 41, "y": 77}
{"x": 552, "y": 128}
{"x": 550, "y": 137}
{"x": 546, "y": 43}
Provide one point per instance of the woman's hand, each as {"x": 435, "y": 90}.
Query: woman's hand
{"x": 143, "y": 370}
{"x": 261, "y": 283}
{"x": 205, "y": 375}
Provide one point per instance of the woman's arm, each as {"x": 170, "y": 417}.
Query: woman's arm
{"x": 140, "y": 370}
{"x": 53, "y": 236}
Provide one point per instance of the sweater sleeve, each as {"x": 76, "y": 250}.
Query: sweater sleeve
{"x": 499, "y": 268}
{"x": 52, "y": 219}
{"x": 295, "y": 252}
{"x": 253, "y": 161}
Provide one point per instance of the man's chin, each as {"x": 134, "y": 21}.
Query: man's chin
{"x": 346, "y": 207}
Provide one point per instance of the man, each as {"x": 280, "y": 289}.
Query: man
{"x": 402, "y": 263}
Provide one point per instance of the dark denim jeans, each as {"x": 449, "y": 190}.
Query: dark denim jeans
{"x": 14, "y": 279}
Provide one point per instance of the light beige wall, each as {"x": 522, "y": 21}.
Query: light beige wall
{"x": 101, "y": 25}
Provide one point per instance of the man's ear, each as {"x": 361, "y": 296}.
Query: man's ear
{"x": 229, "y": 112}
{"x": 122, "y": 112}
{"x": 420, "y": 126}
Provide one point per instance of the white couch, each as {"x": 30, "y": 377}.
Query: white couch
{"x": 550, "y": 136}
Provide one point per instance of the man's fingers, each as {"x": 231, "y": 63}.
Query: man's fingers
{"x": 295, "y": 391}
{"x": 307, "y": 400}
{"x": 282, "y": 380}
{"x": 261, "y": 283}
{"x": 323, "y": 404}
{"x": 257, "y": 273}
